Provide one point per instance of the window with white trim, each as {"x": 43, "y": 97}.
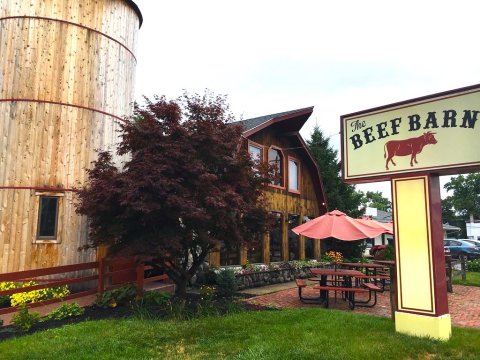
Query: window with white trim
{"x": 293, "y": 175}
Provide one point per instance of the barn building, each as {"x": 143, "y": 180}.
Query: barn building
{"x": 295, "y": 196}
{"x": 67, "y": 73}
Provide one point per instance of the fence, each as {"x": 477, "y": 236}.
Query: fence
{"x": 108, "y": 273}
{"x": 455, "y": 268}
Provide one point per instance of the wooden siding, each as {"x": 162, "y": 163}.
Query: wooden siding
{"x": 284, "y": 201}
{"x": 67, "y": 71}
{"x": 280, "y": 200}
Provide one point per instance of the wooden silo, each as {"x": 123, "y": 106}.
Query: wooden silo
{"x": 67, "y": 71}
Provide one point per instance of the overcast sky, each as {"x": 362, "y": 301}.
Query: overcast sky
{"x": 338, "y": 56}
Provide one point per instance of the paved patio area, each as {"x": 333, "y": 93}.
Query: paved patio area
{"x": 464, "y": 303}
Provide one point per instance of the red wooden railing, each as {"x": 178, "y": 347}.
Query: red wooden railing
{"x": 109, "y": 274}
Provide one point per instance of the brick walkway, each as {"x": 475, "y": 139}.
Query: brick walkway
{"x": 464, "y": 303}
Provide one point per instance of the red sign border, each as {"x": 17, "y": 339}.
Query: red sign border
{"x": 440, "y": 170}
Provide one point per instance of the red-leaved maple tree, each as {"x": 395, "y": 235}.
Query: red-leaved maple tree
{"x": 188, "y": 187}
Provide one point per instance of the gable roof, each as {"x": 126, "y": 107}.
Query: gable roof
{"x": 383, "y": 216}
{"x": 294, "y": 120}
{"x": 291, "y": 122}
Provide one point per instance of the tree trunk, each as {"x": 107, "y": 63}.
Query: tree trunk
{"x": 181, "y": 287}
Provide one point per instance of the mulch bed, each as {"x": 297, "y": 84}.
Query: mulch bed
{"x": 91, "y": 313}
{"x": 119, "y": 312}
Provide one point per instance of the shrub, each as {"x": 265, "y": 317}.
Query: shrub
{"x": 65, "y": 311}
{"x": 389, "y": 253}
{"x": 179, "y": 310}
{"x": 207, "y": 292}
{"x": 152, "y": 305}
{"x": 23, "y": 320}
{"x": 120, "y": 296}
{"x": 210, "y": 276}
{"x": 5, "y": 299}
{"x": 20, "y": 299}
{"x": 156, "y": 298}
{"x": 226, "y": 283}
{"x": 473, "y": 265}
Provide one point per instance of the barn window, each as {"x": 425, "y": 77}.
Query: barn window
{"x": 276, "y": 238}
{"x": 229, "y": 256}
{"x": 293, "y": 239}
{"x": 275, "y": 159}
{"x": 293, "y": 175}
{"x": 48, "y": 216}
{"x": 254, "y": 251}
{"x": 255, "y": 152}
{"x": 309, "y": 247}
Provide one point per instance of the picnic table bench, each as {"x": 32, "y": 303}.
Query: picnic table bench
{"x": 375, "y": 278}
{"x": 342, "y": 281}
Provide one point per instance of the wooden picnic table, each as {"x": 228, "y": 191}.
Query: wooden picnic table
{"x": 345, "y": 286}
{"x": 369, "y": 267}
{"x": 334, "y": 272}
{"x": 370, "y": 270}
{"x": 362, "y": 265}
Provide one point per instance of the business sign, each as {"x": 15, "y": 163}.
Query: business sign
{"x": 434, "y": 134}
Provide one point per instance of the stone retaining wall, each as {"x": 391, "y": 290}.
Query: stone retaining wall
{"x": 263, "y": 278}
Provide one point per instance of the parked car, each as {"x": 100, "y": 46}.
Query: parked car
{"x": 460, "y": 247}
{"x": 473, "y": 242}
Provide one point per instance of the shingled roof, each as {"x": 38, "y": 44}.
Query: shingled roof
{"x": 249, "y": 124}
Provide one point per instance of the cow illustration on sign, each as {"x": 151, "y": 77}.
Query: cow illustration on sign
{"x": 412, "y": 146}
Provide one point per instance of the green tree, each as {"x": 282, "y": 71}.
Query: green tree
{"x": 450, "y": 216}
{"x": 376, "y": 200}
{"x": 465, "y": 198}
{"x": 340, "y": 196}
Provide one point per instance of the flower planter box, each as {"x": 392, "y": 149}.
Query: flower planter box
{"x": 263, "y": 278}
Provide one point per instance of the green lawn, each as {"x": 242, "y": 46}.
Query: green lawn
{"x": 286, "y": 334}
{"x": 473, "y": 279}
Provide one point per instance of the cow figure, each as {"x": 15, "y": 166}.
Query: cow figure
{"x": 412, "y": 146}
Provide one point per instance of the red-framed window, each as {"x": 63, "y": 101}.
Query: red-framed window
{"x": 294, "y": 175}
{"x": 256, "y": 151}
{"x": 276, "y": 159}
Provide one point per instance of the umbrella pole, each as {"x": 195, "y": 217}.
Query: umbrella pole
{"x": 336, "y": 250}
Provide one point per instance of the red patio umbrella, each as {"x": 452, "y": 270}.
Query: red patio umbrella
{"x": 340, "y": 226}
{"x": 370, "y": 222}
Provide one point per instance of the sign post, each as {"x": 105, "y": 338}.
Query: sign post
{"x": 410, "y": 144}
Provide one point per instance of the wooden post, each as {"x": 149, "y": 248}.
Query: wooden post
{"x": 243, "y": 256}
{"x": 393, "y": 291}
{"x": 140, "y": 270}
{"x": 101, "y": 271}
{"x": 463, "y": 262}
{"x": 448, "y": 269}
{"x": 284, "y": 227}
{"x": 266, "y": 247}
{"x": 316, "y": 249}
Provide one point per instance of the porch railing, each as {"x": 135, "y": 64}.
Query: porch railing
{"x": 108, "y": 274}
